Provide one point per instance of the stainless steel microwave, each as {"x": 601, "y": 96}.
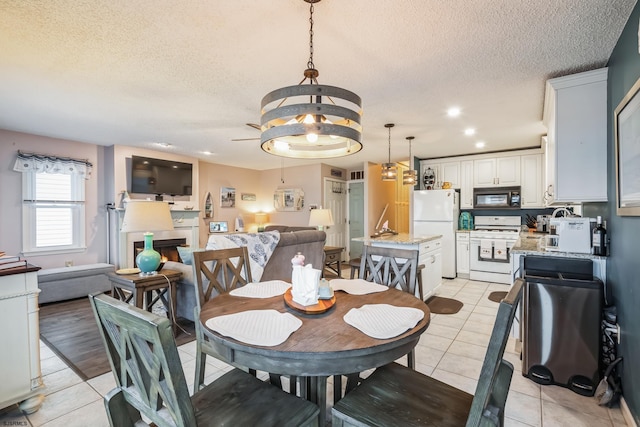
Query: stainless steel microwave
{"x": 496, "y": 198}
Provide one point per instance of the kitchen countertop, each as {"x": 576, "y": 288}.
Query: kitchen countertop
{"x": 531, "y": 244}
{"x": 400, "y": 238}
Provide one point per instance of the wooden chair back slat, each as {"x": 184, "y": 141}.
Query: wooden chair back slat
{"x": 396, "y": 268}
{"x": 220, "y": 271}
{"x": 490, "y": 396}
{"x": 145, "y": 363}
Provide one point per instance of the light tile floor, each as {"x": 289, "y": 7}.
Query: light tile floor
{"x": 451, "y": 350}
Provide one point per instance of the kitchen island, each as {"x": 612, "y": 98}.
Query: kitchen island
{"x": 429, "y": 254}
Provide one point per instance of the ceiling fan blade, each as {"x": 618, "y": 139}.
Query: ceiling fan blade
{"x": 246, "y": 139}
{"x": 253, "y": 125}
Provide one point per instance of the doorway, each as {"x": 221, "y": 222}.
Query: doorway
{"x": 356, "y": 218}
{"x": 335, "y": 199}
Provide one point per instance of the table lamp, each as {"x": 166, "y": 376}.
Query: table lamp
{"x": 147, "y": 216}
{"x": 261, "y": 218}
{"x": 320, "y": 218}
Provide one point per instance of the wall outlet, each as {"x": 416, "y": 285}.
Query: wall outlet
{"x": 618, "y": 332}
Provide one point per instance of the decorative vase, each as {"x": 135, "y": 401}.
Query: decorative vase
{"x": 148, "y": 259}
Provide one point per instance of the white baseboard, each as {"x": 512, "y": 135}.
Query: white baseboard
{"x": 626, "y": 413}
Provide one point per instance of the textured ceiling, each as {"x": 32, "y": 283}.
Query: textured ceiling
{"x": 192, "y": 73}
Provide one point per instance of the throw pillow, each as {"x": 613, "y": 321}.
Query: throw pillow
{"x": 186, "y": 254}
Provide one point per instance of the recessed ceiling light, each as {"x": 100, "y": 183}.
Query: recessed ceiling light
{"x": 453, "y": 112}
{"x": 469, "y": 131}
{"x": 480, "y": 144}
{"x": 163, "y": 144}
{"x": 208, "y": 153}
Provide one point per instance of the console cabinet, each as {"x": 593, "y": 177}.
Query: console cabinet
{"x": 19, "y": 328}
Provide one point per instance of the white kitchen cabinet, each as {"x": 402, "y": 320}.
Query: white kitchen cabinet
{"x": 431, "y": 257}
{"x": 531, "y": 190}
{"x": 19, "y": 328}
{"x": 462, "y": 254}
{"x": 496, "y": 172}
{"x": 448, "y": 171}
{"x": 466, "y": 184}
{"x": 575, "y": 113}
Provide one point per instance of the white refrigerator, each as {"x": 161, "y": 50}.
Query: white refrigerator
{"x": 436, "y": 212}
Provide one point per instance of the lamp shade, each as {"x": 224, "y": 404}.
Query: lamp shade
{"x": 320, "y": 218}
{"x": 261, "y": 218}
{"x": 146, "y": 215}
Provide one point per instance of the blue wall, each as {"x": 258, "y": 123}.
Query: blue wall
{"x": 623, "y": 263}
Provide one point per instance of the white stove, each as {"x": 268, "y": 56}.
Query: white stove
{"x": 491, "y": 241}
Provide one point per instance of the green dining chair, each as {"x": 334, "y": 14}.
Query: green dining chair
{"x": 394, "y": 395}
{"x": 150, "y": 383}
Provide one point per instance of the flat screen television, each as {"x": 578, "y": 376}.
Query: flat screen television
{"x": 157, "y": 176}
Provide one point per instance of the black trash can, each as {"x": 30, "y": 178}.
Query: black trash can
{"x": 561, "y": 328}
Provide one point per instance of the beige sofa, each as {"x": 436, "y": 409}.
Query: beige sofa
{"x": 308, "y": 241}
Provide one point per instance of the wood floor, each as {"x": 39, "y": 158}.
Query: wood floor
{"x": 69, "y": 328}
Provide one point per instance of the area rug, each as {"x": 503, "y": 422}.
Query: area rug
{"x": 497, "y": 296}
{"x": 69, "y": 329}
{"x": 441, "y": 305}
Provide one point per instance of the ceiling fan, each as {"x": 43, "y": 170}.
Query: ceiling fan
{"x": 252, "y": 125}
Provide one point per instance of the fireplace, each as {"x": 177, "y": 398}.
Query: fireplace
{"x": 166, "y": 248}
{"x": 186, "y": 228}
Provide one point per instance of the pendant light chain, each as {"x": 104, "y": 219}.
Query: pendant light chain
{"x": 310, "y": 63}
{"x": 389, "y": 158}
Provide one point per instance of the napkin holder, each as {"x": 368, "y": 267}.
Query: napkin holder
{"x": 304, "y": 284}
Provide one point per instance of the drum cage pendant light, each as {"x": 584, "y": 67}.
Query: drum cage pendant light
{"x": 296, "y": 123}
{"x": 389, "y": 170}
{"x": 410, "y": 177}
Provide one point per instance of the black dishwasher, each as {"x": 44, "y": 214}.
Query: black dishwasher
{"x": 562, "y": 309}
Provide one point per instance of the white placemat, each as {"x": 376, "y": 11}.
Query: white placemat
{"x": 257, "y": 327}
{"x": 383, "y": 320}
{"x": 268, "y": 289}
{"x": 357, "y": 286}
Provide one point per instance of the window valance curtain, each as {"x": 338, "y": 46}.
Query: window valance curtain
{"x": 31, "y": 162}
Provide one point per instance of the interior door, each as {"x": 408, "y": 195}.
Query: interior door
{"x": 356, "y": 218}
{"x": 335, "y": 199}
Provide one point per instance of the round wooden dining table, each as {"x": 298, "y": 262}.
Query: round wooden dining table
{"x": 325, "y": 345}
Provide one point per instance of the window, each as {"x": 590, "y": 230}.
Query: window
{"x": 53, "y": 212}
{"x": 53, "y": 209}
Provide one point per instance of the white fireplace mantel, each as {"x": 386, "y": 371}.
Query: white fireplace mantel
{"x": 186, "y": 225}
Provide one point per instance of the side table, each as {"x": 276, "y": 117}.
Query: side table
{"x": 145, "y": 291}
{"x": 332, "y": 259}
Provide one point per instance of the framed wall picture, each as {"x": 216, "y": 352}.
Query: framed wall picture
{"x": 248, "y": 197}
{"x": 627, "y": 153}
{"x": 288, "y": 199}
{"x": 227, "y": 197}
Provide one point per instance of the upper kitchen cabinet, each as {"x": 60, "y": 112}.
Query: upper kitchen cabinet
{"x": 531, "y": 178}
{"x": 496, "y": 172}
{"x": 575, "y": 113}
{"x": 445, "y": 171}
{"x": 466, "y": 184}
